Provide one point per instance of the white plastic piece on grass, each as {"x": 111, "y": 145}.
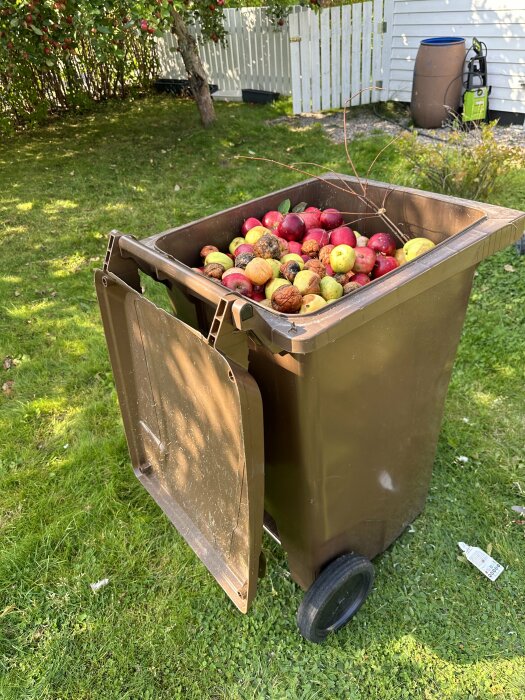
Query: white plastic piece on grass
{"x": 99, "y": 584}
{"x": 519, "y": 509}
{"x": 462, "y": 459}
{"x": 482, "y": 561}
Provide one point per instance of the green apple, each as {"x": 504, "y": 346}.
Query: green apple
{"x": 220, "y": 258}
{"x": 292, "y": 256}
{"x": 255, "y": 233}
{"x": 331, "y": 289}
{"x": 312, "y": 302}
{"x": 274, "y": 284}
{"x": 307, "y": 282}
{"x": 342, "y": 258}
{"x": 236, "y": 243}
{"x": 276, "y": 267}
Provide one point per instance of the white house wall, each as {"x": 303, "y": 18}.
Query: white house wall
{"x": 499, "y": 23}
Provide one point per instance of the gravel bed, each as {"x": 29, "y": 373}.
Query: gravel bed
{"x": 366, "y": 122}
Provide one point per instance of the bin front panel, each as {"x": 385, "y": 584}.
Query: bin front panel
{"x": 194, "y": 427}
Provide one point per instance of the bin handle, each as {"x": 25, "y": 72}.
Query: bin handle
{"x": 150, "y": 260}
{"x": 233, "y": 316}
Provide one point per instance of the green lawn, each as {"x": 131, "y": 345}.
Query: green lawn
{"x": 72, "y": 512}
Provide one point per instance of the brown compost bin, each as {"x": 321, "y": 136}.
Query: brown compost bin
{"x": 324, "y": 426}
{"x": 438, "y": 81}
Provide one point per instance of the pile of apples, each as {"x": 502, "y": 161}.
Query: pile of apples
{"x": 300, "y": 261}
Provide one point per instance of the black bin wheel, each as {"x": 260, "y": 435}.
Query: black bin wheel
{"x": 335, "y": 596}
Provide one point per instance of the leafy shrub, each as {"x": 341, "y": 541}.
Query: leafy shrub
{"x": 63, "y": 54}
{"x": 469, "y": 165}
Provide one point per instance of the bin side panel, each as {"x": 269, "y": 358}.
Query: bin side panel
{"x": 194, "y": 425}
{"x": 352, "y": 468}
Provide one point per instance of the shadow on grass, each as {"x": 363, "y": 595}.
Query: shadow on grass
{"x": 73, "y": 512}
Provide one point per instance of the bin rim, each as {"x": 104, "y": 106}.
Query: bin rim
{"x": 442, "y": 41}
{"x": 492, "y": 228}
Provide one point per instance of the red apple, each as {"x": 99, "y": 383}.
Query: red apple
{"x": 383, "y": 243}
{"x": 365, "y": 259}
{"x": 285, "y": 246}
{"x": 319, "y": 235}
{"x": 360, "y": 278}
{"x": 258, "y": 296}
{"x": 331, "y": 218}
{"x": 329, "y": 270}
{"x": 294, "y": 247}
{"x": 272, "y": 219}
{"x": 384, "y": 264}
{"x": 343, "y": 234}
{"x": 309, "y": 209}
{"x": 243, "y": 248}
{"x": 238, "y": 283}
{"x": 311, "y": 219}
{"x": 249, "y": 223}
{"x": 291, "y": 228}
{"x": 306, "y": 258}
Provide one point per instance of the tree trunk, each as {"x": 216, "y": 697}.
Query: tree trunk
{"x": 196, "y": 72}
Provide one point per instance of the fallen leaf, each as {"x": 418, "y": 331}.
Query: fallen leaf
{"x": 7, "y": 387}
{"x": 509, "y": 268}
{"x": 177, "y": 188}
{"x": 17, "y": 293}
{"x": 8, "y": 362}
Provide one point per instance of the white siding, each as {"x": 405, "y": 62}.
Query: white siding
{"x": 499, "y": 23}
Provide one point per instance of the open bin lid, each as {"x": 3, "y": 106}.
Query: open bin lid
{"x": 194, "y": 426}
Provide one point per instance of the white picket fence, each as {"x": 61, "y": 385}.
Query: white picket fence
{"x": 337, "y": 55}
{"x": 256, "y": 57}
{"x": 320, "y": 58}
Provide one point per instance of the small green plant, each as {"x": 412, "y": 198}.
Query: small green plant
{"x": 470, "y": 165}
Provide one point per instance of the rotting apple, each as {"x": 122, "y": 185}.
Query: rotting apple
{"x": 255, "y": 233}
{"x": 307, "y": 282}
{"x": 292, "y": 256}
{"x": 243, "y": 248}
{"x": 273, "y": 285}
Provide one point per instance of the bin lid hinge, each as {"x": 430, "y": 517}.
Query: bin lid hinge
{"x": 225, "y": 337}
{"x": 124, "y": 268}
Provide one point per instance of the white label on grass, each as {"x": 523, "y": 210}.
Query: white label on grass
{"x": 482, "y": 561}
{"x": 99, "y": 584}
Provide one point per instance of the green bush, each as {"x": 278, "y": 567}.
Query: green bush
{"x": 65, "y": 54}
{"x": 469, "y": 165}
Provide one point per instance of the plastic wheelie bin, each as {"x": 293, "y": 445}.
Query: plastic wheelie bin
{"x": 322, "y": 428}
